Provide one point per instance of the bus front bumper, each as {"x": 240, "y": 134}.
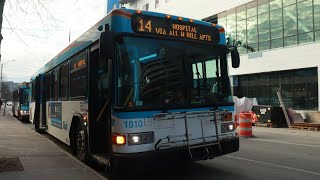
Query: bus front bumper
{"x": 182, "y": 154}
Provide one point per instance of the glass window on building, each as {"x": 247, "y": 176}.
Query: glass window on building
{"x": 267, "y": 24}
{"x": 263, "y": 98}
{"x": 276, "y": 43}
{"x": 290, "y": 40}
{"x": 317, "y": 35}
{"x": 305, "y": 23}
{"x": 244, "y": 86}
{"x": 276, "y": 24}
{"x": 274, "y": 86}
{"x": 264, "y": 27}
{"x": 312, "y": 89}
{"x": 299, "y": 88}
{"x": 265, "y": 45}
{"x": 316, "y": 4}
{"x": 306, "y": 37}
{"x": 288, "y": 2}
{"x": 253, "y": 86}
{"x": 241, "y": 36}
{"x": 287, "y": 88}
{"x": 275, "y": 4}
{"x": 290, "y": 20}
{"x": 242, "y": 28}
{"x": 231, "y": 25}
{"x": 252, "y": 9}
{"x": 222, "y": 20}
{"x": 263, "y": 6}
{"x": 263, "y": 89}
{"x": 252, "y": 33}
{"x": 241, "y": 13}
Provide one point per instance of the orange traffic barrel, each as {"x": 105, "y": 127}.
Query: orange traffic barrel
{"x": 245, "y": 124}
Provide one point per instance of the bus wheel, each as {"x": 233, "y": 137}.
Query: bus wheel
{"x": 82, "y": 144}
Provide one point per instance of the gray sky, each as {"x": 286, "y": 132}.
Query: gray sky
{"x": 42, "y": 33}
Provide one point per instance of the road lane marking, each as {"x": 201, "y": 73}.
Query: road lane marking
{"x": 282, "y": 142}
{"x": 275, "y": 165}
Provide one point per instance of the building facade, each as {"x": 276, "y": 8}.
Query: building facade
{"x": 279, "y": 42}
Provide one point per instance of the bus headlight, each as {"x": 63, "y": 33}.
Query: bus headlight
{"x": 136, "y": 139}
{"x": 230, "y": 127}
{"x": 140, "y": 138}
{"x": 227, "y": 127}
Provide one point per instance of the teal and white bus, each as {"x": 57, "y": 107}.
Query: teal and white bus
{"x": 20, "y": 102}
{"x": 139, "y": 84}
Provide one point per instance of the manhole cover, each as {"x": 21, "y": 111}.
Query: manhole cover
{"x": 10, "y": 164}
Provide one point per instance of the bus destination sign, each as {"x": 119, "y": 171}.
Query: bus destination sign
{"x": 174, "y": 28}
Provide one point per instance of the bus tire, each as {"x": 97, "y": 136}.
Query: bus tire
{"x": 81, "y": 143}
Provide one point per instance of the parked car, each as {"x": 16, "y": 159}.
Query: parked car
{"x": 9, "y": 103}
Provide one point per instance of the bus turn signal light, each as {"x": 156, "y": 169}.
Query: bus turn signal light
{"x": 118, "y": 139}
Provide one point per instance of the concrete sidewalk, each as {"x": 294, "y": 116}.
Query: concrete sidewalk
{"x": 39, "y": 157}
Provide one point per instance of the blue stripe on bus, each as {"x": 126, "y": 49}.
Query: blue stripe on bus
{"x": 56, "y": 122}
{"x": 149, "y": 114}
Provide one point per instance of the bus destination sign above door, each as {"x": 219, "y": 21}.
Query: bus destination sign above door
{"x": 174, "y": 28}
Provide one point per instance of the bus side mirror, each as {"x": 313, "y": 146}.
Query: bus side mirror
{"x": 106, "y": 48}
{"x": 235, "y": 58}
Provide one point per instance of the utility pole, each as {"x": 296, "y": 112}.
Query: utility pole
{"x": 1, "y": 81}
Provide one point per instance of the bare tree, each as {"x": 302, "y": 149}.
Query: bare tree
{"x": 6, "y": 91}
{"x": 1, "y": 18}
{"x": 25, "y": 7}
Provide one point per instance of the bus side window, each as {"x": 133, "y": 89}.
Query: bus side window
{"x": 64, "y": 82}
{"x": 33, "y": 91}
{"x": 78, "y": 77}
{"x": 48, "y": 80}
{"x": 54, "y": 85}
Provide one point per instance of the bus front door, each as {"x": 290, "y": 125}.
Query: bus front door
{"x": 99, "y": 101}
{"x": 40, "y": 107}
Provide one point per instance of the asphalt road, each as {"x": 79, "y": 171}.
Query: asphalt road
{"x": 271, "y": 155}
{"x": 274, "y": 153}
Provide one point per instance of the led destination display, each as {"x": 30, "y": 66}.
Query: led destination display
{"x": 174, "y": 28}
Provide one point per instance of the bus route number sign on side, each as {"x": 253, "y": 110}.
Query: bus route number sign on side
{"x": 174, "y": 28}
{"x": 78, "y": 64}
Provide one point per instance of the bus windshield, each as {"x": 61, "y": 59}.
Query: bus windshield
{"x": 25, "y": 97}
{"x": 154, "y": 73}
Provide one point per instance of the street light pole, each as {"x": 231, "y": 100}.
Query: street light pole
{"x": 1, "y": 78}
{"x": 1, "y": 83}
